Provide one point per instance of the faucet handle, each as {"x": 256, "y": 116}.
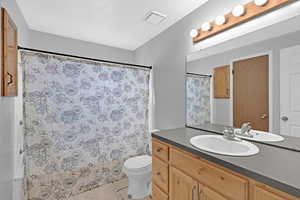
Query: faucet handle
{"x": 228, "y": 133}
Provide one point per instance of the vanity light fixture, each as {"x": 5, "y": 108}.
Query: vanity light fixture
{"x": 239, "y": 14}
{"x": 238, "y": 10}
{"x": 194, "y": 33}
{"x": 260, "y": 2}
{"x": 206, "y": 26}
{"x": 220, "y": 20}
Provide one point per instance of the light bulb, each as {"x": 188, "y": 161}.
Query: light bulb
{"x": 260, "y": 2}
{"x": 238, "y": 10}
{"x": 206, "y": 26}
{"x": 220, "y": 20}
{"x": 194, "y": 33}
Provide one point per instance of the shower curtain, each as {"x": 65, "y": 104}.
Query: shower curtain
{"x": 197, "y": 99}
{"x": 83, "y": 119}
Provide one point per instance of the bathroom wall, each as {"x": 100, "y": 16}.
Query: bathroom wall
{"x": 50, "y": 42}
{"x": 166, "y": 52}
{"x": 8, "y": 119}
{"x": 11, "y": 168}
{"x": 206, "y": 65}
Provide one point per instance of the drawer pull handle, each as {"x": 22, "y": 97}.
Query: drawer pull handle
{"x": 10, "y": 79}
{"x": 158, "y": 173}
{"x": 159, "y": 149}
{"x": 193, "y": 192}
{"x": 222, "y": 178}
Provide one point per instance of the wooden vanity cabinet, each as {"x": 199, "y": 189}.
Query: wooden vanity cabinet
{"x": 206, "y": 193}
{"x": 260, "y": 193}
{"x": 222, "y": 82}
{"x": 160, "y": 170}
{"x": 182, "y": 186}
{"x": 180, "y": 175}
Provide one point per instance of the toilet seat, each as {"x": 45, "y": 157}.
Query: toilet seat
{"x": 138, "y": 164}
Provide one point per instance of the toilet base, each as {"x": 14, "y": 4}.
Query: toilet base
{"x": 139, "y": 186}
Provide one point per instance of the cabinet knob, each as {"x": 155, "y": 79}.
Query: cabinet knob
{"x": 159, "y": 149}
{"x": 158, "y": 173}
{"x": 193, "y": 193}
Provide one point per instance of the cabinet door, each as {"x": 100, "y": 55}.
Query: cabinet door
{"x": 262, "y": 194}
{"x": 222, "y": 82}
{"x": 182, "y": 187}
{"x": 207, "y": 194}
{"x": 9, "y": 56}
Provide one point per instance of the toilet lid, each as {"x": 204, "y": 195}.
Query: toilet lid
{"x": 138, "y": 162}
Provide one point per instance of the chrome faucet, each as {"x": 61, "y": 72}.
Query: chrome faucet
{"x": 229, "y": 134}
{"x": 245, "y": 130}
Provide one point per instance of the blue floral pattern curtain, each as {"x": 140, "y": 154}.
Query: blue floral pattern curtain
{"x": 82, "y": 121}
{"x": 197, "y": 99}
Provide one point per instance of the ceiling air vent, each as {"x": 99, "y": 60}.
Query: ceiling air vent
{"x": 155, "y": 17}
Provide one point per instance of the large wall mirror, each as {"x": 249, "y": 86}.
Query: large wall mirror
{"x": 257, "y": 83}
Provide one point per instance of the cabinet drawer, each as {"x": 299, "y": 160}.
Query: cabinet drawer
{"x": 225, "y": 183}
{"x": 264, "y": 192}
{"x": 157, "y": 194}
{"x": 160, "y": 174}
{"x": 160, "y": 150}
{"x": 260, "y": 193}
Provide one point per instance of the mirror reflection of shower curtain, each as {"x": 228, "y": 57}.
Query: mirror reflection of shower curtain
{"x": 197, "y": 99}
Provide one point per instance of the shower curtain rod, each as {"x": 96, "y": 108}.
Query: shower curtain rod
{"x": 206, "y": 75}
{"x": 81, "y": 57}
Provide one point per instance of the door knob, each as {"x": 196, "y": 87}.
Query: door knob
{"x": 264, "y": 116}
{"x": 284, "y": 118}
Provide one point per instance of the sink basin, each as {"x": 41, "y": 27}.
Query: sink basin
{"x": 219, "y": 145}
{"x": 261, "y": 136}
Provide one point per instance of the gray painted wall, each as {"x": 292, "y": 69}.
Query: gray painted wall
{"x": 167, "y": 52}
{"x": 221, "y": 110}
{"x": 11, "y": 169}
{"x": 50, "y": 42}
{"x": 7, "y": 117}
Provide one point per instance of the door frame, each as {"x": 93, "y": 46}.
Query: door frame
{"x": 271, "y": 88}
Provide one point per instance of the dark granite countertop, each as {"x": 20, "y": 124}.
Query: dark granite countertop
{"x": 276, "y": 167}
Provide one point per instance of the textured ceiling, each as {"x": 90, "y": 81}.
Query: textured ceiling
{"x": 118, "y": 23}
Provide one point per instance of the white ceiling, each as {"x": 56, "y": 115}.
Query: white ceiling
{"x": 117, "y": 23}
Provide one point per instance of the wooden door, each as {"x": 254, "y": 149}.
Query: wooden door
{"x": 222, "y": 82}
{"x": 182, "y": 186}
{"x": 9, "y": 56}
{"x": 251, "y": 92}
{"x": 207, "y": 194}
{"x": 289, "y": 91}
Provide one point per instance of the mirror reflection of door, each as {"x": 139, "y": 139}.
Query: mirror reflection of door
{"x": 251, "y": 92}
{"x": 289, "y": 91}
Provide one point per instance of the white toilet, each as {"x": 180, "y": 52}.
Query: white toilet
{"x": 139, "y": 172}
{"x": 138, "y": 169}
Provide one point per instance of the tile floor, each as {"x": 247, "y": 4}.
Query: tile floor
{"x": 113, "y": 191}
